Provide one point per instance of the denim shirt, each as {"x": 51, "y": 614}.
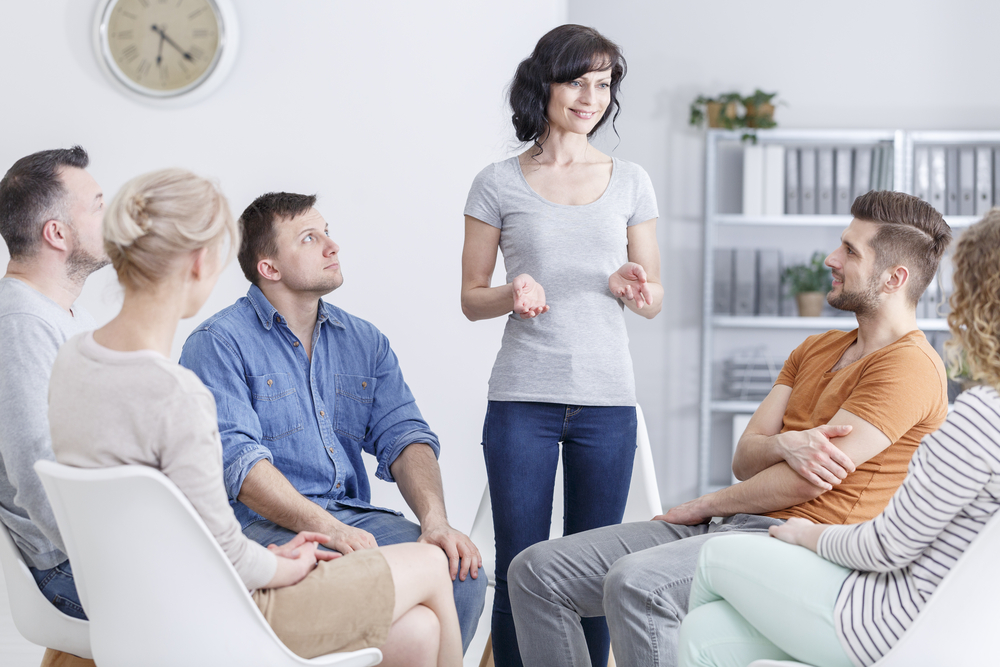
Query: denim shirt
{"x": 310, "y": 420}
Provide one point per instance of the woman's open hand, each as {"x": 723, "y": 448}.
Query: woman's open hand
{"x": 629, "y": 283}
{"x": 529, "y": 297}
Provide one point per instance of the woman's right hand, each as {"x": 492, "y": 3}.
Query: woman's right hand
{"x": 297, "y": 558}
{"x": 529, "y": 297}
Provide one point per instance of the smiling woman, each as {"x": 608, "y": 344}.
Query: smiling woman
{"x": 583, "y": 224}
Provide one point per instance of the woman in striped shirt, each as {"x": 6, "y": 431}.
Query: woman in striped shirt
{"x": 757, "y": 598}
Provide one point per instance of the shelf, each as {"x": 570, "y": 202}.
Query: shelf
{"x": 782, "y": 220}
{"x": 959, "y": 221}
{"x": 747, "y": 407}
{"x": 818, "y": 323}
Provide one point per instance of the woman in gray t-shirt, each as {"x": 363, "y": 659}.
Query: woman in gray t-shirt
{"x": 577, "y": 230}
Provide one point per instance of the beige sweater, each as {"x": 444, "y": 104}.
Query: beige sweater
{"x": 109, "y": 408}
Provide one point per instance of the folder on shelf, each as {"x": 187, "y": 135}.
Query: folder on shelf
{"x": 774, "y": 179}
{"x": 722, "y": 284}
{"x": 824, "y": 181}
{"x": 792, "y": 182}
{"x": 745, "y": 281}
{"x": 938, "y": 181}
{"x": 922, "y": 172}
{"x": 887, "y": 168}
{"x": 753, "y": 180}
{"x": 951, "y": 181}
{"x": 842, "y": 182}
{"x": 862, "y": 181}
{"x": 807, "y": 181}
{"x": 996, "y": 176}
{"x": 967, "y": 181}
{"x": 929, "y": 300}
{"x": 878, "y": 155}
{"x": 768, "y": 281}
{"x": 984, "y": 179}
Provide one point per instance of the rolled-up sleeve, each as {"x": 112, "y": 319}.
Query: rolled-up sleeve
{"x": 395, "y": 421}
{"x": 219, "y": 366}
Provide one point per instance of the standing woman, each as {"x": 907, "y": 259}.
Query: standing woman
{"x": 577, "y": 230}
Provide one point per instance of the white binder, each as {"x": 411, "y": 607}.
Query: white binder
{"x": 938, "y": 182}
{"x": 792, "y": 182}
{"x": 774, "y": 179}
{"x": 753, "y": 180}
{"x": 862, "y": 181}
{"x": 807, "y": 181}
{"x": 824, "y": 181}
{"x": 984, "y": 179}
{"x": 922, "y": 172}
{"x": 842, "y": 182}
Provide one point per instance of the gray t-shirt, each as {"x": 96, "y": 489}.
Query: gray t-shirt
{"x": 577, "y": 353}
{"x": 32, "y": 327}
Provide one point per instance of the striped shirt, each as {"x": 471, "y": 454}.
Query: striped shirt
{"x": 951, "y": 491}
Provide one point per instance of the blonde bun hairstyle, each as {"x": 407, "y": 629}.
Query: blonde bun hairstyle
{"x": 161, "y": 215}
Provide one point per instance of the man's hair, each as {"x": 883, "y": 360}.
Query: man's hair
{"x": 910, "y": 233}
{"x": 257, "y": 224}
{"x": 31, "y": 193}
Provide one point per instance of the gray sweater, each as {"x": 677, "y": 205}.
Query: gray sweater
{"x": 32, "y": 327}
{"x": 111, "y": 408}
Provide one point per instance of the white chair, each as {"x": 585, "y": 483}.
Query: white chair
{"x": 34, "y": 616}
{"x": 957, "y": 625}
{"x": 642, "y": 505}
{"x": 157, "y": 587}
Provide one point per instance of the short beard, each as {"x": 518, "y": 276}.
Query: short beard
{"x": 81, "y": 264}
{"x": 861, "y": 303}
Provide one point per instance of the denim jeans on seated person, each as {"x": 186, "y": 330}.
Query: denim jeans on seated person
{"x": 59, "y": 588}
{"x": 388, "y": 528}
{"x": 521, "y": 446}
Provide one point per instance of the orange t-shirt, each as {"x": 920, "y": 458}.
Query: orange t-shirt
{"x": 900, "y": 389}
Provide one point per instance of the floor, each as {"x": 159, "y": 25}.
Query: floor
{"x": 15, "y": 651}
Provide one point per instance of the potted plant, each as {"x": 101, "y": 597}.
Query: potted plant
{"x": 760, "y": 109}
{"x": 809, "y": 284}
{"x": 721, "y": 111}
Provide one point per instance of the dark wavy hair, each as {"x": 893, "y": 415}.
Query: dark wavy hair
{"x": 561, "y": 55}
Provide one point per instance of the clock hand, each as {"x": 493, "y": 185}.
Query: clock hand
{"x": 159, "y": 52}
{"x": 163, "y": 36}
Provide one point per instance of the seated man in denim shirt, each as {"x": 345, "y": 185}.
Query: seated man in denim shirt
{"x": 302, "y": 388}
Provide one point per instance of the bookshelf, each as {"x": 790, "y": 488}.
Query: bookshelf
{"x": 726, "y": 226}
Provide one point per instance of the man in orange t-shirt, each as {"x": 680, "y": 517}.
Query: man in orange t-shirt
{"x": 831, "y": 443}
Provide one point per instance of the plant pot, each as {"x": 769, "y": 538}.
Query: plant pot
{"x": 714, "y": 113}
{"x": 810, "y": 303}
{"x": 760, "y": 117}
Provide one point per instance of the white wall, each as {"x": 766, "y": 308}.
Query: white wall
{"x": 914, "y": 64}
{"x": 386, "y": 110}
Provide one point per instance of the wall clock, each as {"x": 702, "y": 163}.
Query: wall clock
{"x": 163, "y": 50}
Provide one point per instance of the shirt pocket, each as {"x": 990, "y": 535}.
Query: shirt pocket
{"x": 355, "y": 397}
{"x": 276, "y": 403}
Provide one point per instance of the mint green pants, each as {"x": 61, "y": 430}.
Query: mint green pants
{"x": 757, "y": 597}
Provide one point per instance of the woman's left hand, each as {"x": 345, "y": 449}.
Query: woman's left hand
{"x": 629, "y": 283}
{"x": 799, "y": 531}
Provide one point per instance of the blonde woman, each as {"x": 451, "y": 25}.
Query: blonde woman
{"x": 755, "y": 597}
{"x": 116, "y": 398}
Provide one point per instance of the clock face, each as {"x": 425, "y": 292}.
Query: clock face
{"x": 161, "y": 48}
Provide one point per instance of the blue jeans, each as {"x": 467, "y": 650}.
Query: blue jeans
{"x": 470, "y": 595}
{"x": 521, "y": 446}
{"x": 59, "y": 588}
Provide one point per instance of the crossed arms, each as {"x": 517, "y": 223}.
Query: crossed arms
{"x": 780, "y": 470}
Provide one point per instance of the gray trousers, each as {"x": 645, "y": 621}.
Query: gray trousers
{"x": 638, "y": 575}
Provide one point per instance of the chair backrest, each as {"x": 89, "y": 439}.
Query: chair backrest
{"x": 34, "y": 617}
{"x": 156, "y": 585}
